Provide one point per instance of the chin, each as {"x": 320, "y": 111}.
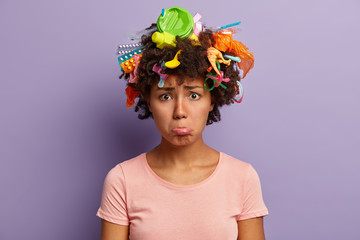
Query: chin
{"x": 181, "y": 140}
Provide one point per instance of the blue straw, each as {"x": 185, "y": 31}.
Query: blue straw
{"x": 229, "y": 25}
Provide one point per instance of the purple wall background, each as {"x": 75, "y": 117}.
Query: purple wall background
{"x": 64, "y": 124}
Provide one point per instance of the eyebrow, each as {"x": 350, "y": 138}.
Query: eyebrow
{"x": 172, "y": 89}
{"x": 192, "y": 87}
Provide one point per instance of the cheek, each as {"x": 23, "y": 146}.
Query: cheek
{"x": 161, "y": 114}
{"x": 201, "y": 113}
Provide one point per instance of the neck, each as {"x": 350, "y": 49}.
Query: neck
{"x": 181, "y": 156}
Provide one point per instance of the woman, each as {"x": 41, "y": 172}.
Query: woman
{"x": 183, "y": 189}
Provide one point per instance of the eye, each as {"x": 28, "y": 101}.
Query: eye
{"x": 194, "y": 96}
{"x": 164, "y": 97}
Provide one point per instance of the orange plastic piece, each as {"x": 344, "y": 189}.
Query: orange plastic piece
{"x": 215, "y": 55}
{"x": 129, "y": 65}
{"x": 224, "y": 42}
{"x": 131, "y": 94}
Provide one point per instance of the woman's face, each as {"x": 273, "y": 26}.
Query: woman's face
{"x": 180, "y": 112}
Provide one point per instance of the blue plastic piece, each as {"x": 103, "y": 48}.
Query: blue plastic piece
{"x": 129, "y": 55}
{"x": 236, "y": 59}
{"x": 241, "y": 92}
{"x": 161, "y": 82}
{"x": 229, "y": 25}
{"x": 163, "y": 67}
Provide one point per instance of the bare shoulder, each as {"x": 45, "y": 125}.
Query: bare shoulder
{"x": 112, "y": 231}
{"x": 251, "y": 229}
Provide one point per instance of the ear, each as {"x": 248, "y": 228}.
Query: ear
{"x": 211, "y": 106}
{"x": 148, "y": 103}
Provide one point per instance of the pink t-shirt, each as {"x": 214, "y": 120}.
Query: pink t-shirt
{"x": 133, "y": 194}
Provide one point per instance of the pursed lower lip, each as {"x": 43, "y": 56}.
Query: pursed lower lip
{"x": 181, "y": 130}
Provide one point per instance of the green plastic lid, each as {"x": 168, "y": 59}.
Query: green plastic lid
{"x": 176, "y": 21}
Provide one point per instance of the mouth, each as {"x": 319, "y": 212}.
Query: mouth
{"x": 181, "y": 131}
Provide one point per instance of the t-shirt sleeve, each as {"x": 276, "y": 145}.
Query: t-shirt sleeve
{"x": 253, "y": 204}
{"x": 113, "y": 201}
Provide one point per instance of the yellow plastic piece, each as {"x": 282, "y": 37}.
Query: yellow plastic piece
{"x": 173, "y": 63}
{"x": 163, "y": 39}
{"x": 195, "y": 40}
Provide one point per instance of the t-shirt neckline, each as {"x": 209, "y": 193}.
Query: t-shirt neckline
{"x": 178, "y": 186}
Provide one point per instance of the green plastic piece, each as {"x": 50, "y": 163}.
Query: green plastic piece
{"x": 207, "y": 78}
{"x": 176, "y": 21}
{"x": 213, "y": 86}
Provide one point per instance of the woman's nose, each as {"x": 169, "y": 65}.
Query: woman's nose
{"x": 180, "y": 109}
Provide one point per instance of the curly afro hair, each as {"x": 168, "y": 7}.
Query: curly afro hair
{"x": 194, "y": 63}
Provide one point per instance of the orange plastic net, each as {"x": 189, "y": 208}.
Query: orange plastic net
{"x": 225, "y": 43}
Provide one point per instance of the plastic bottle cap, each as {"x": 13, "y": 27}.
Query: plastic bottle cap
{"x": 176, "y": 21}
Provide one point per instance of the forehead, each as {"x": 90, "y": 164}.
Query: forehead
{"x": 178, "y": 81}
